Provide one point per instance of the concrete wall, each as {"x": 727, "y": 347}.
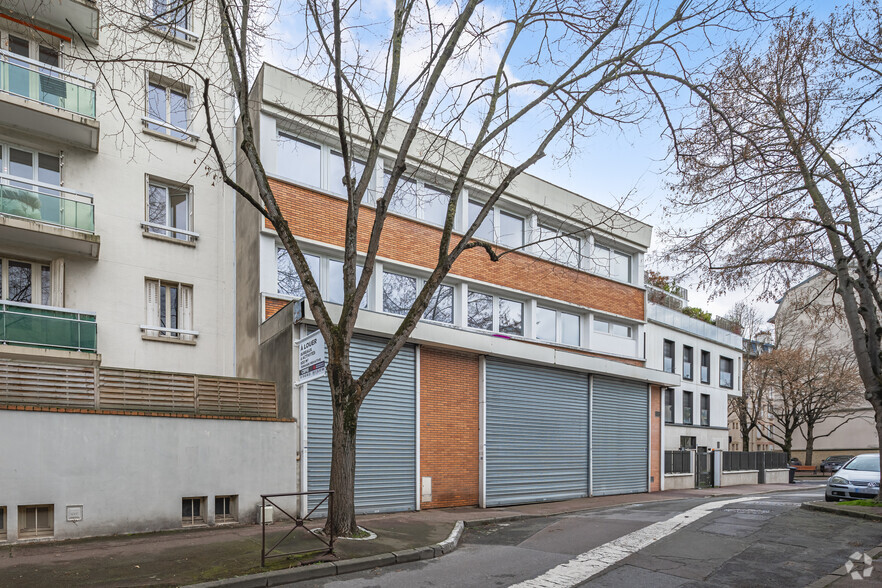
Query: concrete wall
{"x": 679, "y": 481}
{"x": 741, "y": 477}
{"x": 130, "y": 473}
{"x": 710, "y": 437}
{"x": 778, "y": 476}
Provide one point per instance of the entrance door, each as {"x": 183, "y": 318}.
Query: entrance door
{"x": 704, "y": 474}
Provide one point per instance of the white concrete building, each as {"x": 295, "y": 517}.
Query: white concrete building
{"x": 707, "y": 359}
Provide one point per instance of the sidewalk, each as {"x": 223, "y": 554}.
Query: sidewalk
{"x": 175, "y": 558}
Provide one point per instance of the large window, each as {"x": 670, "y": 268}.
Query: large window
{"x": 417, "y": 199}
{"x": 20, "y": 79}
{"x": 612, "y": 263}
{"x": 335, "y": 281}
{"x": 485, "y": 231}
{"x": 173, "y": 17}
{"x": 25, "y": 281}
{"x": 668, "y": 354}
{"x": 557, "y": 245}
{"x": 687, "y": 408}
{"x": 168, "y": 109}
{"x": 399, "y": 293}
{"x": 705, "y": 367}
{"x": 511, "y": 230}
{"x": 169, "y": 310}
{"x": 726, "y": 372}
{"x": 287, "y": 281}
{"x": 480, "y": 308}
{"x": 556, "y": 326}
{"x": 336, "y": 175}
{"x": 169, "y": 207}
{"x": 705, "y": 410}
{"x": 440, "y": 307}
{"x": 224, "y": 509}
{"x": 511, "y": 317}
{"x": 299, "y": 160}
{"x": 612, "y": 328}
{"x": 191, "y": 511}
{"x": 669, "y": 405}
{"x": 687, "y": 362}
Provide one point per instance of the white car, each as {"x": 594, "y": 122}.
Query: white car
{"x": 858, "y": 478}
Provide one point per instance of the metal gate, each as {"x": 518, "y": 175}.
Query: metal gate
{"x": 704, "y": 471}
{"x": 536, "y": 434}
{"x": 619, "y": 436}
{"x": 385, "y": 474}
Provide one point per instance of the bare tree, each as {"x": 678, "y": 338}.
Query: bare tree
{"x": 783, "y": 161}
{"x": 747, "y": 408}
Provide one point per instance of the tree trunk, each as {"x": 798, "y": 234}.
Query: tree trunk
{"x": 809, "y": 443}
{"x": 342, "y": 484}
{"x": 877, "y": 409}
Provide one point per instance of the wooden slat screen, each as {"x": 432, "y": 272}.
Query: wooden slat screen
{"x": 151, "y": 391}
{"x": 223, "y": 396}
{"x": 40, "y": 384}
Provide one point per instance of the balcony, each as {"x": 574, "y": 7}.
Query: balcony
{"x": 677, "y": 320}
{"x": 47, "y": 101}
{"x": 47, "y": 217}
{"x": 75, "y": 17}
{"x": 47, "y": 327}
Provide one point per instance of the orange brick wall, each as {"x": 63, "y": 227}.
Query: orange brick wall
{"x": 449, "y": 422}
{"x": 273, "y": 305}
{"x": 655, "y": 444}
{"x": 321, "y": 217}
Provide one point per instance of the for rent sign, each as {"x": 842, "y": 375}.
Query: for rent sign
{"x": 312, "y": 357}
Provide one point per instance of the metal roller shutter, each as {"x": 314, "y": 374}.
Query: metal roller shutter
{"x": 536, "y": 434}
{"x": 619, "y": 436}
{"x": 385, "y": 472}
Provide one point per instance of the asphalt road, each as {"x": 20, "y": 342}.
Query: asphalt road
{"x": 768, "y": 541}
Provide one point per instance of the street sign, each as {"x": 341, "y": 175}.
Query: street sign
{"x": 312, "y": 357}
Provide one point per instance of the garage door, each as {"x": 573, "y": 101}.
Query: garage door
{"x": 619, "y": 436}
{"x": 536, "y": 434}
{"x": 385, "y": 472}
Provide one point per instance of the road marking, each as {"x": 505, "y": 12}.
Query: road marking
{"x": 593, "y": 562}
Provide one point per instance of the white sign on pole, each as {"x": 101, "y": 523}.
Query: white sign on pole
{"x": 312, "y": 357}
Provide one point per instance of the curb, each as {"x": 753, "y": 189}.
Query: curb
{"x": 840, "y": 573}
{"x": 346, "y": 566}
{"x": 841, "y": 511}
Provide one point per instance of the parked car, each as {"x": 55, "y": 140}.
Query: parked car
{"x": 833, "y": 463}
{"x": 794, "y": 461}
{"x": 858, "y": 478}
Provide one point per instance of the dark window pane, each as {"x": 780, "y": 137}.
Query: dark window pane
{"x": 511, "y": 317}
{"x": 20, "y": 282}
{"x": 480, "y": 311}
{"x": 687, "y": 408}
{"x": 441, "y": 305}
{"x": 668, "y": 354}
{"x": 45, "y": 284}
{"x": 399, "y": 293}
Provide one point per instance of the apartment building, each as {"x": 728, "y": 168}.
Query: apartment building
{"x": 526, "y": 381}
{"x": 707, "y": 360}
{"x": 118, "y": 412}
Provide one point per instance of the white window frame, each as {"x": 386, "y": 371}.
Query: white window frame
{"x": 178, "y": 33}
{"x": 497, "y": 211}
{"x": 420, "y": 283}
{"x": 152, "y": 328}
{"x": 33, "y": 46}
{"x": 36, "y": 281}
{"x": 611, "y": 322}
{"x": 559, "y": 234}
{"x": 187, "y": 235}
{"x": 606, "y": 272}
{"x": 558, "y": 325}
{"x": 167, "y": 129}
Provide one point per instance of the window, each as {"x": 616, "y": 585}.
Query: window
{"x": 169, "y": 207}
{"x": 668, "y": 354}
{"x": 399, "y": 293}
{"x": 191, "y": 511}
{"x": 725, "y": 372}
{"x": 43, "y": 87}
{"x": 705, "y": 410}
{"x": 612, "y": 263}
{"x": 224, "y": 509}
{"x": 480, "y": 307}
{"x": 687, "y": 442}
{"x": 485, "y": 231}
{"x": 336, "y": 174}
{"x": 611, "y": 328}
{"x": 168, "y": 110}
{"x": 35, "y": 521}
{"x": 559, "y": 327}
{"x": 335, "y": 280}
{"x": 687, "y": 362}
{"x": 416, "y": 199}
{"x": 287, "y": 281}
{"x": 511, "y": 230}
{"x": 300, "y": 161}
{"x": 173, "y": 18}
{"x": 687, "y": 408}
{"x": 556, "y": 245}
{"x": 169, "y": 310}
{"x": 705, "y": 367}
{"x": 440, "y": 307}
{"x": 669, "y": 405}
{"x": 2, "y": 523}
{"x": 26, "y": 282}
{"x": 511, "y": 317}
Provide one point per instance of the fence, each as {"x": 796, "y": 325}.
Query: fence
{"x": 34, "y": 384}
{"x": 734, "y": 461}
{"x": 678, "y": 462}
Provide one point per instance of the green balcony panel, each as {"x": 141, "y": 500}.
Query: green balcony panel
{"x": 34, "y": 326}
{"x": 48, "y": 86}
{"x": 54, "y": 209}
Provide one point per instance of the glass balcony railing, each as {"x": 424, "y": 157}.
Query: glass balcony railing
{"x": 47, "y": 327}
{"x": 45, "y": 203}
{"x": 46, "y": 84}
{"x": 682, "y": 322}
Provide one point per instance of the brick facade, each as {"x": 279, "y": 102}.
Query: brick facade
{"x": 449, "y": 422}
{"x": 321, "y": 217}
{"x": 655, "y": 435}
{"x": 273, "y": 305}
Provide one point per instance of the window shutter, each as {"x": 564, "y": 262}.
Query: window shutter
{"x": 152, "y": 298}
{"x": 56, "y": 275}
{"x": 186, "y": 311}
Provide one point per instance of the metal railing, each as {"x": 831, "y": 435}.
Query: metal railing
{"x": 678, "y": 462}
{"x": 735, "y": 461}
{"x": 48, "y": 327}
{"x": 46, "y": 84}
{"x": 299, "y": 523}
{"x": 160, "y": 126}
{"x": 46, "y": 203}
